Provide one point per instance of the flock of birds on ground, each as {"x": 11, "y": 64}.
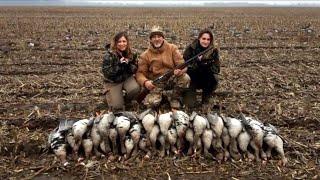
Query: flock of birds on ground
{"x": 172, "y": 133}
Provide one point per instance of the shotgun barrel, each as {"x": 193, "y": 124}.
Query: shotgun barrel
{"x": 168, "y": 74}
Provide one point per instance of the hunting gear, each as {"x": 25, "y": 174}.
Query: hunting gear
{"x": 165, "y": 77}
{"x": 159, "y": 58}
{"x": 119, "y": 67}
{"x": 204, "y": 70}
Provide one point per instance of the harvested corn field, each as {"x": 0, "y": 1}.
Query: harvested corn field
{"x": 50, "y": 58}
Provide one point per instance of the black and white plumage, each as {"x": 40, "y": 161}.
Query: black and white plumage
{"x": 154, "y": 135}
{"x": 70, "y": 140}
{"x": 148, "y": 122}
{"x": 226, "y": 143}
{"x": 165, "y": 121}
{"x": 57, "y": 140}
{"x": 199, "y": 124}
{"x": 145, "y": 146}
{"x": 190, "y": 139}
{"x": 104, "y": 123}
{"x": 87, "y": 145}
{"x": 162, "y": 140}
{"x": 145, "y": 112}
{"x": 132, "y": 116}
{"x": 148, "y": 119}
{"x": 122, "y": 124}
{"x": 181, "y": 121}
{"x": 170, "y": 130}
{"x": 172, "y": 139}
{"x": 79, "y": 128}
{"x": 96, "y": 137}
{"x": 216, "y": 124}
{"x": 270, "y": 128}
{"x": 135, "y": 133}
{"x": 143, "y": 143}
{"x": 129, "y": 145}
{"x": 113, "y": 134}
{"x": 254, "y": 128}
{"x": 206, "y": 141}
{"x": 234, "y": 128}
{"x": 244, "y": 139}
{"x": 274, "y": 141}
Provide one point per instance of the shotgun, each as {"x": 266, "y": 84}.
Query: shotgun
{"x": 168, "y": 74}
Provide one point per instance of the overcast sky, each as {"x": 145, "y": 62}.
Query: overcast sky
{"x": 200, "y": 3}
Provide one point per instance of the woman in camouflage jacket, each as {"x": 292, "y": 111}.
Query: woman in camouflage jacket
{"x": 119, "y": 66}
{"x": 204, "y": 70}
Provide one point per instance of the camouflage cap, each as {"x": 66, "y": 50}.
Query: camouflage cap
{"x": 156, "y": 30}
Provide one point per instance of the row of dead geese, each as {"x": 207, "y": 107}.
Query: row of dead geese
{"x": 175, "y": 132}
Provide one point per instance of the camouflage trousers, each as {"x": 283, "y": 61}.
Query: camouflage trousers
{"x": 172, "y": 90}
{"x": 208, "y": 85}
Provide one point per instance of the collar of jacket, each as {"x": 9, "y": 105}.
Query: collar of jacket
{"x": 195, "y": 45}
{"x": 112, "y": 53}
{"x": 116, "y": 56}
{"x": 164, "y": 46}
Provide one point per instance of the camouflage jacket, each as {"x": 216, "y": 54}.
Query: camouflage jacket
{"x": 114, "y": 71}
{"x": 209, "y": 63}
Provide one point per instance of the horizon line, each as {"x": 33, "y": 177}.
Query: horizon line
{"x": 173, "y": 3}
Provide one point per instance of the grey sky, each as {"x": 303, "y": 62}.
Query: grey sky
{"x": 200, "y": 3}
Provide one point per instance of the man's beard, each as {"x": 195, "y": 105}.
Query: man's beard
{"x": 157, "y": 45}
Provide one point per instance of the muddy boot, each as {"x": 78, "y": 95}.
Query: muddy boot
{"x": 190, "y": 98}
{"x": 176, "y": 97}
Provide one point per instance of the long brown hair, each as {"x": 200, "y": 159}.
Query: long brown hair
{"x": 116, "y": 38}
{"x": 206, "y": 31}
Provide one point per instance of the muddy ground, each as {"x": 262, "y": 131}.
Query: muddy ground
{"x": 51, "y": 58}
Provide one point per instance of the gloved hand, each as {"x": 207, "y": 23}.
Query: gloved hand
{"x": 124, "y": 60}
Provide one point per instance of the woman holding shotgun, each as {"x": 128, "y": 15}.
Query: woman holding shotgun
{"x": 204, "y": 70}
{"x": 119, "y": 66}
